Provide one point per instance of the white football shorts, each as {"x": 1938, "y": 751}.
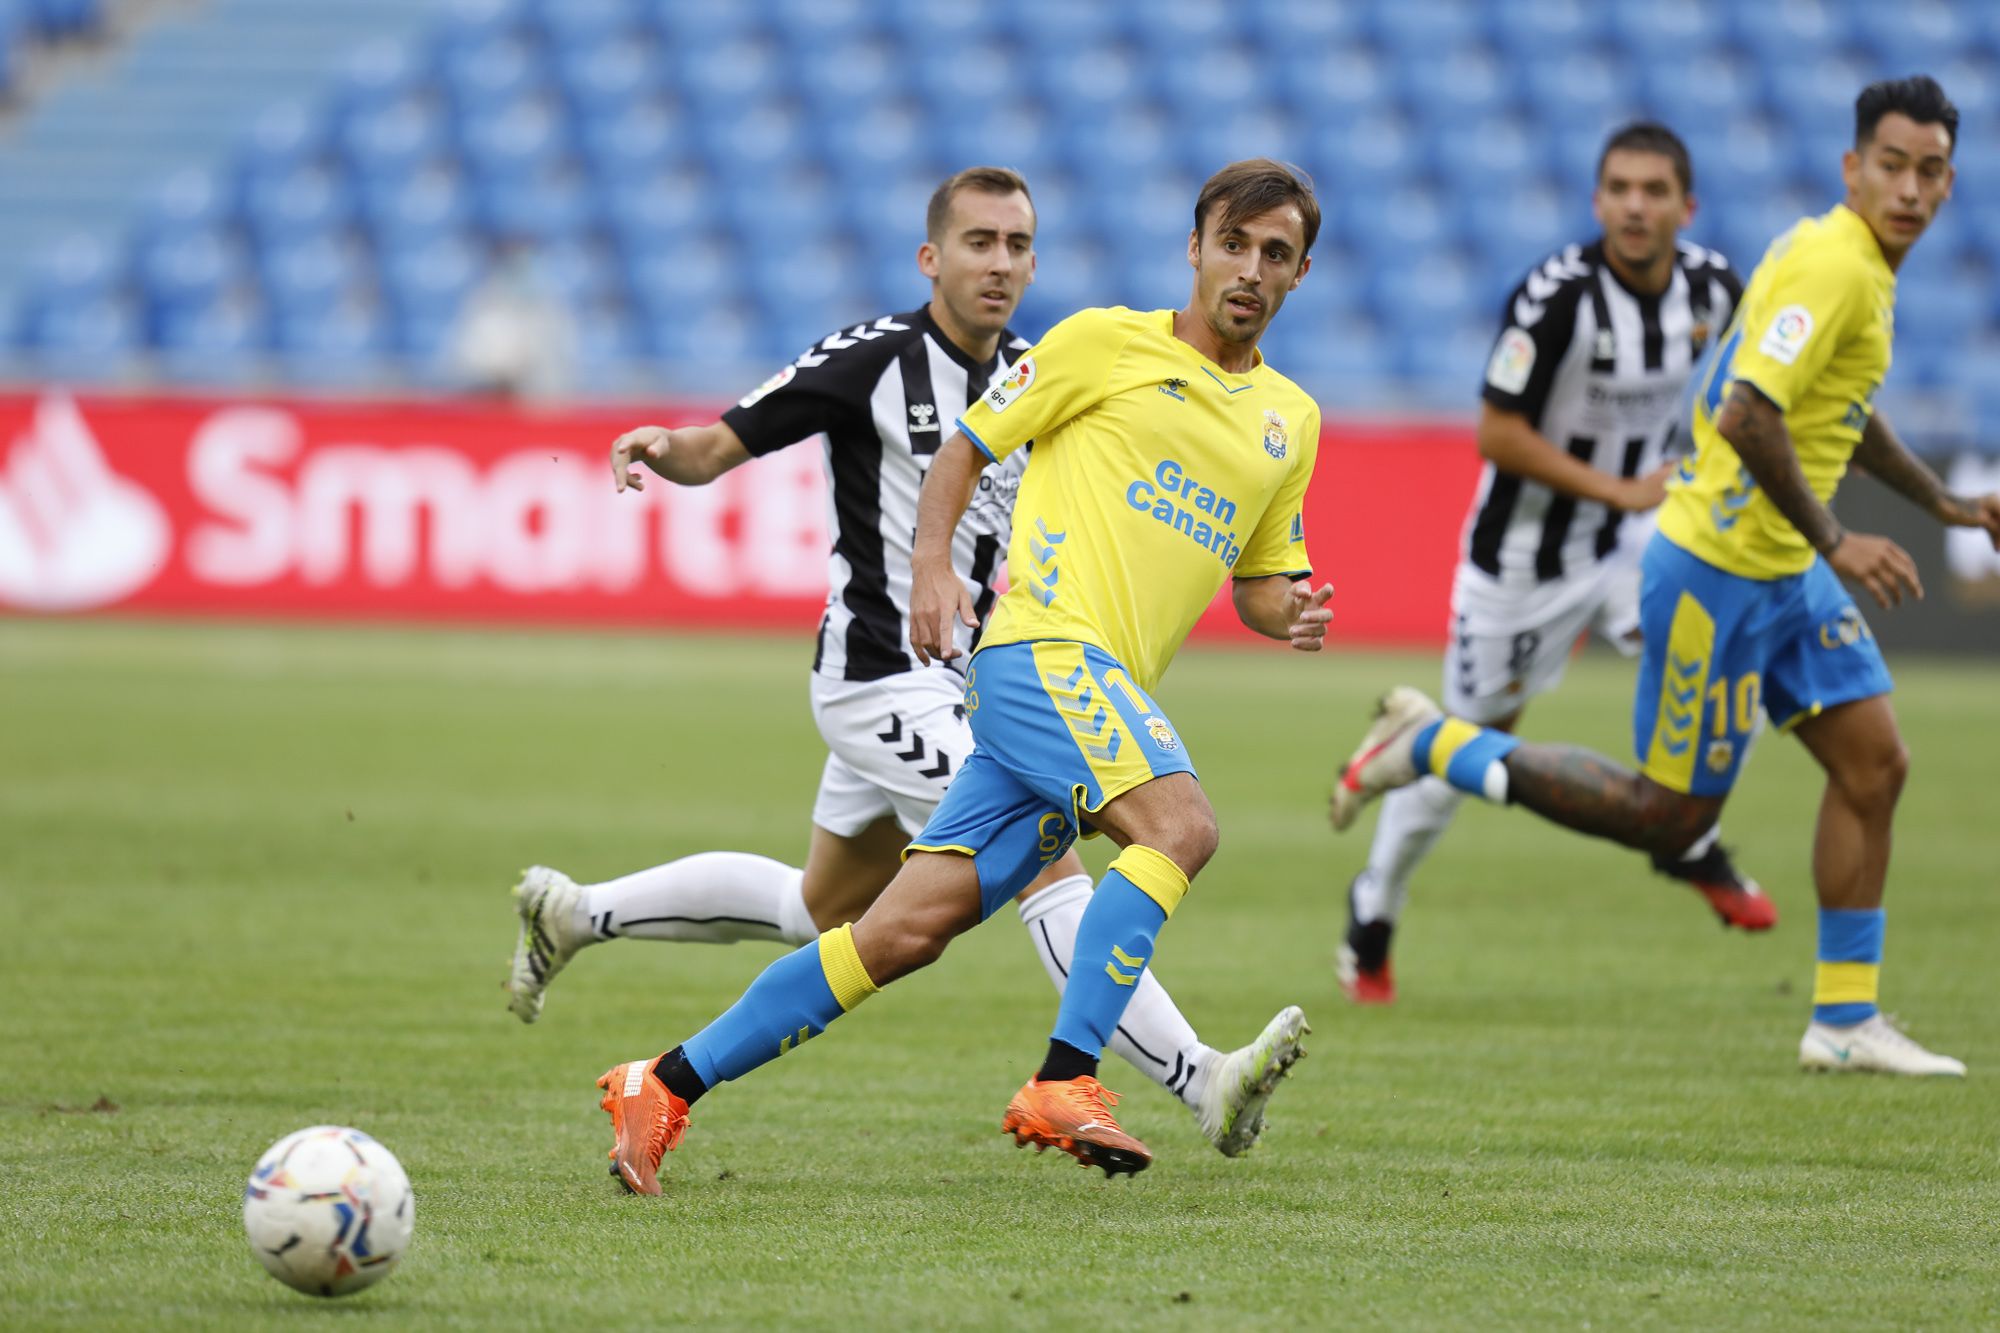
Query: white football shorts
{"x": 895, "y": 744}
{"x": 1509, "y": 644}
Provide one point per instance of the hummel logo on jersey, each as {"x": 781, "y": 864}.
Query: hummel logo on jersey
{"x": 1172, "y": 389}
{"x": 922, "y": 417}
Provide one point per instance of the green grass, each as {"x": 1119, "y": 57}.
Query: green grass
{"x": 255, "y": 879}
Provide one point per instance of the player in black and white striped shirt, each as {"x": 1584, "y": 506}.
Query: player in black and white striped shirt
{"x": 1584, "y": 390}
{"x": 879, "y": 393}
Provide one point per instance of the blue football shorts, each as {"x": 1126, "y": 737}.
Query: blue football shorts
{"x": 1058, "y": 729}
{"x": 1718, "y": 646}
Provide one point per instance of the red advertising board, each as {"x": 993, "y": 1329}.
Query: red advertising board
{"x": 437, "y": 512}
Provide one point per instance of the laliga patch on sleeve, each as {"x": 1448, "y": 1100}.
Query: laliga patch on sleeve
{"x": 1787, "y": 335}
{"x": 1513, "y": 360}
{"x": 768, "y": 387}
{"x": 1011, "y": 386}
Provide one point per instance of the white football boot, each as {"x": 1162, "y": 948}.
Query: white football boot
{"x": 1232, "y": 1105}
{"x": 1384, "y": 760}
{"x": 1875, "y": 1045}
{"x": 546, "y": 901}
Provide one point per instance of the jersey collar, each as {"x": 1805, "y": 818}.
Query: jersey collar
{"x": 935, "y": 332}
{"x": 1230, "y": 381}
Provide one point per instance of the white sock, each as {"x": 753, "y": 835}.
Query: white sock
{"x": 1412, "y": 820}
{"x": 1152, "y": 1036}
{"x": 710, "y": 898}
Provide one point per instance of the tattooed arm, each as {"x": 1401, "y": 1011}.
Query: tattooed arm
{"x": 1755, "y": 428}
{"x": 1892, "y": 464}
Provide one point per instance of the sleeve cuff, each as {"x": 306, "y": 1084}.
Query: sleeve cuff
{"x": 1769, "y": 397}
{"x": 1293, "y": 574}
{"x": 977, "y": 443}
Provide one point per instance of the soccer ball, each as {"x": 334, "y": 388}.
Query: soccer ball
{"x": 328, "y": 1210}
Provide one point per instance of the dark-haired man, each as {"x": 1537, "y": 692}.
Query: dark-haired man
{"x": 881, "y": 394}
{"x": 1586, "y": 379}
{"x": 1167, "y": 458}
{"x": 1742, "y": 603}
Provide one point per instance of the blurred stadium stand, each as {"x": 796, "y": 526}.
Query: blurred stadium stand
{"x": 277, "y": 192}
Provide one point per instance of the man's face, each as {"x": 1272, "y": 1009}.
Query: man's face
{"x": 1242, "y": 275}
{"x": 983, "y": 263}
{"x": 1641, "y": 206}
{"x": 1899, "y": 179}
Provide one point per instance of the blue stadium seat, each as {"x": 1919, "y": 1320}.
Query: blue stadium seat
{"x": 589, "y": 23}
{"x": 884, "y": 137}
{"x": 1030, "y": 142}
{"x": 416, "y": 210}
{"x": 185, "y": 270}
{"x": 579, "y": 271}
{"x": 765, "y": 140}
{"x": 1414, "y": 29}
{"x": 604, "y": 81}
{"x": 512, "y": 142}
{"x": 727, "y": 336}
{"x": 347, "y": 347}
{"x": 841, "y": 77}
{"x": 645, "y": 138}
{"x": 1698, "y": 91}
{"x": 1539, "y": 29}
{"x": 1782, "y": 31}
{"x": 1082, "y": 82}
{"x": 686, "y": 281}
{"x": 286, "y": 136}
{"x": 817, "y": 24}
{"x": 429, "y": 280}
{"x": 691, "y": 23}
{"x": 1654, "y": 30}
{"x": 384, "y": 71}
{"x": 1280, "y": 26}
{"x": 189, "y": 200}
{"x": 996, "y": 82}
{"x": 221, "y": 342}
{"x": 1202, "y": 81}
{"x": 1328, "y": 84}
{"x": 1250, "y": 130}
{"x": 489, "y": 75}
{"x": 393, "y": 138}
{"x": 1454, "y": 84}
{"x": 1480, "y": 156}
{"x": 1580, "y": 89}
{"x": 1911, "y": 36}
{"x": 1119, "y": 148}
{"x": 1374, "y": 145}
{"x": 300, "y": 200}
{"x": 661, "y": 209}
{"x": 308, "y": 275}
{"x": 545, "y": 206}
{"x": 729, "y": 75}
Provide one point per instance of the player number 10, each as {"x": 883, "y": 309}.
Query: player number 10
{"x": 1747, "y": 693}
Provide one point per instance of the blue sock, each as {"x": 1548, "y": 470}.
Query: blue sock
{"x": 1850, "y": 965}
{"x": 791, "y": 1001}
{"x": 1114, "y": 942}
{"x": 1470, "y": 758}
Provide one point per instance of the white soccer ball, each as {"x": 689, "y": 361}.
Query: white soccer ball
{"x": 328, "y": 1210}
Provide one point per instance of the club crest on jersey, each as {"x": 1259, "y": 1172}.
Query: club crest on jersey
{"x": 1513, "y": 359}
{"x": 1002, "y": 395}
{"x": 1698, "y": 335}
{"x": 1162, "y": 734}
{"x": 768, "y": 387}
{"x": 1786, "y": 337}
{"x": 923, "y": 416}
{"x": 1720, "y": 753}
{"x": 1275, "y": 438}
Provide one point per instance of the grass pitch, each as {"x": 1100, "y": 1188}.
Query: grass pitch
{"x": 256, "y": 879}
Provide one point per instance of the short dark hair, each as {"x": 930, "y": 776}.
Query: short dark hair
{"x": 1649, "y": 136}
{"x": 1257, "y": 185}
{"x": 988, "y": 180}
{"x": 1919, "y": 97}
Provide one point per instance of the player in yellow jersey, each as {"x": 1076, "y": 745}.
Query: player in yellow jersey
{"x": 1168, "y": 458}
{"x": 1742, "y": 605}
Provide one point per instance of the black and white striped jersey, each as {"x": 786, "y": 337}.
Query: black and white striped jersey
{"x": 1599, "y": 370}
{"x": 883, "y": 394}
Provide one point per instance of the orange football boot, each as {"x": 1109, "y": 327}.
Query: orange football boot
{"x": 1074, "y": 1115}
{"x": 647, "y": 1121}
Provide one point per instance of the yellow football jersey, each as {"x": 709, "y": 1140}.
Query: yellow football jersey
{"x": 1155, "y": 475}
{"x": 1813, "y": 334}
